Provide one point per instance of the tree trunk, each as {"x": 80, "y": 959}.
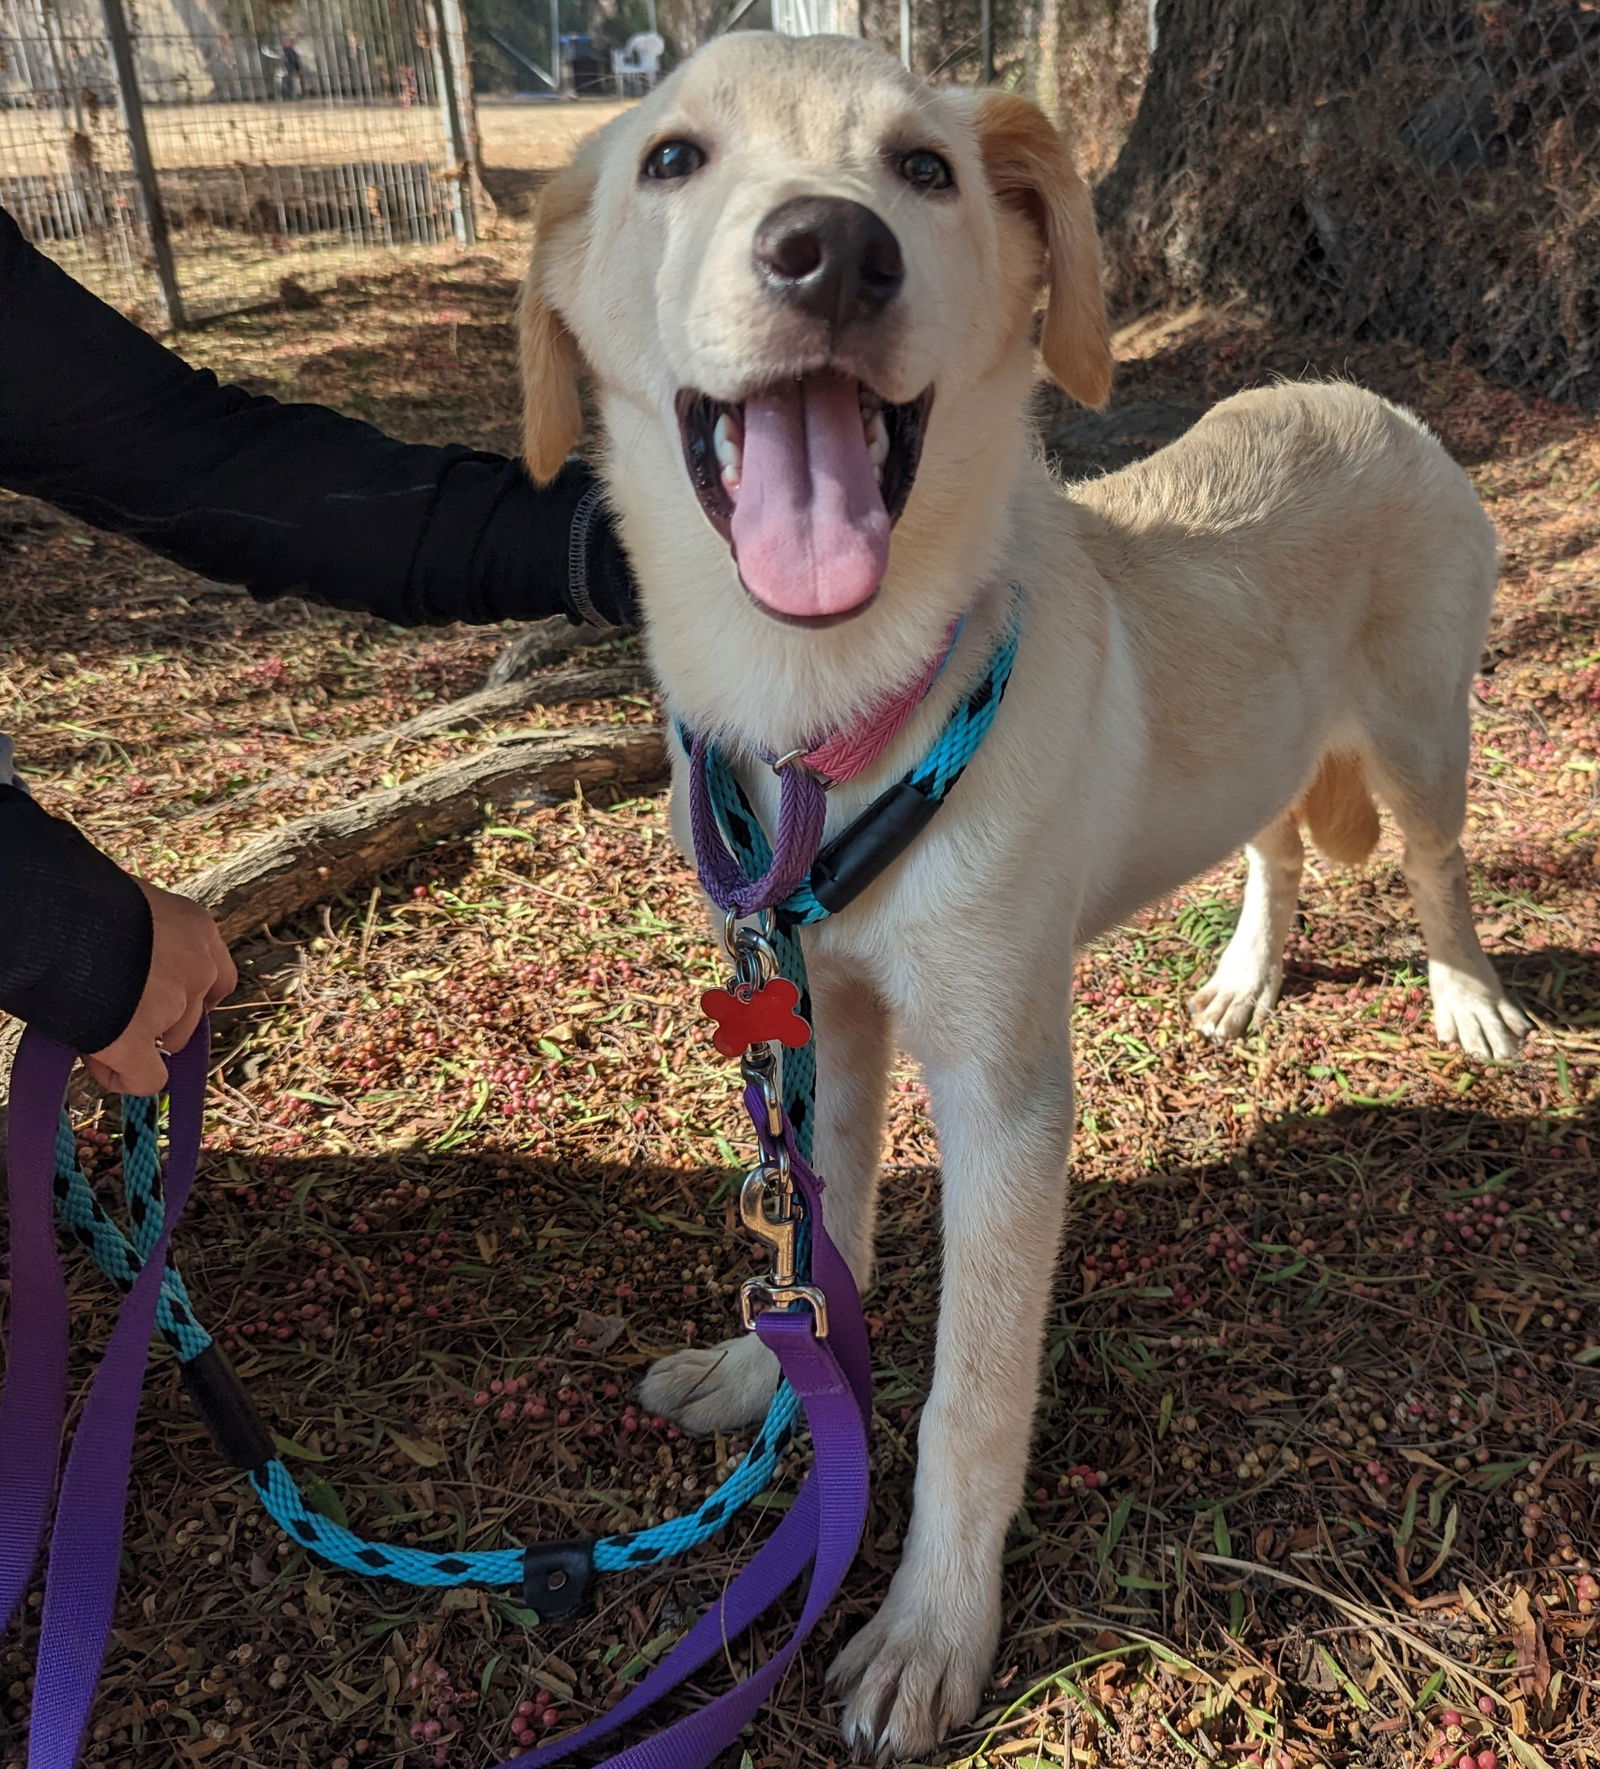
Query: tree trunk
{"x": 1420, "y": 170}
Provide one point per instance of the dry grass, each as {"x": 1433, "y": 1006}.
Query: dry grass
{"x": 1317, "y": 1471}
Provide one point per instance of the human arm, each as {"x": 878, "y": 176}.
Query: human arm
{"x": 99, "y": 419}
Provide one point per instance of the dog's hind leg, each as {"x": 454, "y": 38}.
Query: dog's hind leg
{"x": 721, "y": 1387}
{"x": 1245, "y": 983}
{"x": 1422, "y": 777}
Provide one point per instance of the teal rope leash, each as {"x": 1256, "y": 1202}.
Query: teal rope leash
{"x": 121, "y": 1259}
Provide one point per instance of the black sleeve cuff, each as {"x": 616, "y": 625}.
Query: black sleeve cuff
{"x": 496, "y": 547}
{"x": 75, "y": 930}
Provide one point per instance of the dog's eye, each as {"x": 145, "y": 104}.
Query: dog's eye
{"x": 923, "y": 169}
{"x": 673, "y": 159}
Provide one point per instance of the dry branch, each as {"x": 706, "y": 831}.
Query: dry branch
{"x": 482, "y": 707}
{"x": 540, "y": 646}
{"x": 317, "y": 855}
{"x": 485, "y": 705}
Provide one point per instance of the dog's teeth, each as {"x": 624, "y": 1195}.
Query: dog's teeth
{"x": 877, "y": 439}
{"x": 728, "y": 441}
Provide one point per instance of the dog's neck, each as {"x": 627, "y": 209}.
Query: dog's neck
{"x": 731, "y": 671}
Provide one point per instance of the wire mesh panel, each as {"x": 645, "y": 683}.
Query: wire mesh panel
{"x": 1426, "y": 169}
{"x": 65, "y": 171}
{"x": 285, "y": 141}
{"x": 291, "y": 141}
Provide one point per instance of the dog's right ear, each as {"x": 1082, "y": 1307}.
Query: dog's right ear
{"x": 552, "y": 412}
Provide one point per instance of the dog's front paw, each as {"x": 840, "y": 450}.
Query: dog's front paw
{"x": 716, "y": 1389}
{"x": 1477, "y": 1015}
{"x": 1231, "y": 1003}
{"x": 919, "y": 1666}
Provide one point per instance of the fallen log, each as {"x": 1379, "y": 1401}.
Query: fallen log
{"x": 316, "y": 856}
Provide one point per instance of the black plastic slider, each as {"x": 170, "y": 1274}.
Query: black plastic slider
{"x": 556, "y": 1577}
{"x": 227, "y": 1411}
{"x": 866, "y": 848}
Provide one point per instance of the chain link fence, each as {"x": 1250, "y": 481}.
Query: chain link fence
{"x": 1421, "y": 169}
{"x": 1417, "y": 169}
{"x": 189, "y": 157}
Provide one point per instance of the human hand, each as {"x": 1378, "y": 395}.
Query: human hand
{"x": 190, "y": 970}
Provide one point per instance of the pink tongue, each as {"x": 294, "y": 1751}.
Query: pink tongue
{"x": 810, "y": 533}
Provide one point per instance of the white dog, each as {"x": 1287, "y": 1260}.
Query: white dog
{"x": 802, "y": 284}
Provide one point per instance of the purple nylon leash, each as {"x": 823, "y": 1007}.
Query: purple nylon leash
{"x": 832, "y": 1376}
{"x": 86, "y": 1545}
{"x": 33, "y": 1405}
{"x": 822, "y": 1529}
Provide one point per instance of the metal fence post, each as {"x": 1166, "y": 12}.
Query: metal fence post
{"x": 1047, "y": 62}
{"x": 131, "y": 101}
{"x": 454, "y": 69}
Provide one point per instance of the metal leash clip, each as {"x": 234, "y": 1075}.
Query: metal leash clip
{"x": 759, "y": 1068}
{"x": 767, "y": 1209}
{"x": 766, "y": 1206}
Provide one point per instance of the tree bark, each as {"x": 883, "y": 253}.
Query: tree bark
{"x": 316, "y": 856}
{"x": 1421, "y": 171}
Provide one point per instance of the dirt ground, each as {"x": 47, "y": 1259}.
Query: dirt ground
{"x": 537, "y": 134}
{"x": 1318, "y": 1473}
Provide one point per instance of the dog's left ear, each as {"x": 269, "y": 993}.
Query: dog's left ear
{"x": 1031, "y": 171}
{"x": 552, "y": 411}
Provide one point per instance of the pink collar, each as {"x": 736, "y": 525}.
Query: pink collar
{"x": 849, "y": 753}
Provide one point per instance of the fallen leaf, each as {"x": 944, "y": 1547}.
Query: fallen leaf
{"x": 1533, "y": 1658}
{"x": 423, "y": 1453}
{"x": 601, "y": 1331}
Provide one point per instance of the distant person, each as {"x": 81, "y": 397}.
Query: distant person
{"x": 99, "y": 419}
{"x": 291, "y": 80}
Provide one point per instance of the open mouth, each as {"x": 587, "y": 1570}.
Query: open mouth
{"x": 804, "y": 481}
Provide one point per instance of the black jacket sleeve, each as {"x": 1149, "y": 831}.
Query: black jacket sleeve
{"x": 99, "y": 419}
{"x": 75, "y": 950}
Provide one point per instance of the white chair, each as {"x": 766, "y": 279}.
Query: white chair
{"x": 639, "y": 62}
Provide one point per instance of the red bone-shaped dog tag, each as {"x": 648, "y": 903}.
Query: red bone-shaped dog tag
{"x": 756, "y": 1016}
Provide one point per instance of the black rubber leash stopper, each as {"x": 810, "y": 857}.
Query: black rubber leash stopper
{"x": 556, "y": 1577}
{"x": 226, "y": 1410}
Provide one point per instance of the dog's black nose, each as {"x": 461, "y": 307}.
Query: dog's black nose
{"x": 829, "y": 257}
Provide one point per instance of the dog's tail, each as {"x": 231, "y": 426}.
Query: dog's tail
{"x": 1338, "y": 809}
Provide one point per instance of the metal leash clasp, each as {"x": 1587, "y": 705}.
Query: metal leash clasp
{"x": 767, "y": 1208}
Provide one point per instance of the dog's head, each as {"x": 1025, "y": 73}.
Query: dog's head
{"x": 806, "y": 280}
